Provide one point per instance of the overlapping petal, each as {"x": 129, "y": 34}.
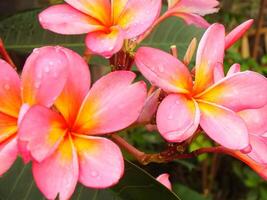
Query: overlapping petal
{"x": 210, "y": 52}
{"x": 8, "y": 154}
{"x": 243, "y": 90}
{"x": 163, "y": 70}
{"x": 76, "y": 87}
{"x": 44, "y": 76}
{"x": 193, "y": 19}
{"x": 113, "y": 103}
{"x": 105, "y": 43}
{"x": 237, "y": 33}
{"x": 101, "y": 161}
{"x": 233, "y": 69}
{"x": 98, "y": 9}
{"x": 223, "y": 125}
{"x": 164, "y": 179}
{"x": 137, "y": 16}
{"x": 259, "y": 148}
{"x": 10, "y": 100}
{"x": 58, "y": 174}
{"x": 64, "y": 19}
{"x": 177, "y": 118}
{"x": 43, "y": 130}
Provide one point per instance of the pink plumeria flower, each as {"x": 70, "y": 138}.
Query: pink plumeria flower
{"x": 43, "y": 78}
{"x": 164, "y": 180}
{"x": 65, "y": 143}
{"x": 107, "y": 23}
{"x": 212, "y": 105}
{"x": 191, "y": 11}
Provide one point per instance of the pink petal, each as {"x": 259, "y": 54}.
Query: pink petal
{"x": 98, "y": 9}
{"x": 177, "y": 118}
{"x": 218, "y": 73}
{"x": 207, "y": 57}
{"x": 233, "y": 69}
{"x": 101, "y": 162}
{"x": 58, "y": 174}
{"x": 259, "y": 148}
{"x": 8, "y": 154}
{"x": 243, "y": 90}
{"x": 237, "y": 33}
{"x": 64, "y": 19}
{"x": 150, "y": 107}
{"x": 44, "y": 76}
{"x": 43, "y": 130}
{"x": 255, "y": 120}
{"x": 112, "y": 104}
{"x": 163, "y": 70}
{"x": 164, "y": 179}
{"x": 105, "y": 44}
{"x": 137, "y": 16}
{"x": 193, "y": 19}
{"x": 200, "y": 7}
{"x": 24, "y": 151}
{"x": 223, "y": 126}
{"x": 8, "y": 126}
{"x": 10, "y": 100}
{"x": 76, "y": 87}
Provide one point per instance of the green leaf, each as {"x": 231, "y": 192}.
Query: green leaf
{"x": 186, "y": 193}
{"x": 22, "y": 33}
{"x": 136, "y": 184}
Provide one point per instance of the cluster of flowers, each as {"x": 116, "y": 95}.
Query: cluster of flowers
{"x": 51, "y": 117}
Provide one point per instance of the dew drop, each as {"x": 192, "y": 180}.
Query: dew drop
{"x": 170, "y": 117}
{"x": 177, "y": 102}
{"x": 39, "y": 75}
{"x": 51, "y": 63}
{"x": 7, "y": 87}
{"x": 161, "y": 69}
{"x": 37, "y": 85}
{"x": 55, "y": 74}
{"x": 47, "y": 69}
{"x": 94, "y": 174}
{"x": 36, "y": 50}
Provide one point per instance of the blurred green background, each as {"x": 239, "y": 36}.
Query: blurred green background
{"x": 215, "y": 177}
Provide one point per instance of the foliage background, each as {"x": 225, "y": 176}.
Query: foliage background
{"x": 216, "y": 177}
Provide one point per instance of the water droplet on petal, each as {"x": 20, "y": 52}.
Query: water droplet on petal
{"x": 37, "y": 85}
{"x": 170, "y": 117}
{"x": 36, "y": 50}
{"x": 47, "y": 69}
{"x": 51, "y": 63}
{"x": 7, "y": 87}
{"x": 94, "y": 174}
{"x": 55, "y": 74}
{"x": 161, "y": 68}
{"x": 177, "y": 102}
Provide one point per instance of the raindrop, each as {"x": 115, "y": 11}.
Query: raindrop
{"x": 161, "y": 69}
{"x": 37, "y": 85}
{"x": 55, "y": 74}
{"x": 39, "y": 75}
{"x": 170, "y": 117}
{"x": 177, "y": 102}
{"x": 7, "y": 87}
{"x": 51, "y": 63}
{"x": 94, "y": 174}
{"x": 47, "y": 69}
{"x": 36, "y": 50}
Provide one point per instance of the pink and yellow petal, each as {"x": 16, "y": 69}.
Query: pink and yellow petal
{"x": 210, "y": 52}
{"x": 43, "y": 130}
{"x": 10, "y": 100}
{"x": 8, "y": 154}
{"x": 105, "y": 43}
{"x": 64, "y": 19}
{"x": 177, "y": 118}
{"x": 58, "y": 174}
{"x": 113, "y": 103}
{"x": 8, "y": 126}
{"x": 98, "y": 9}
{"x": 244, "y": 90}
{"x": 76, "y": 87}
{"x": 163, "y": 70}
{"x": 223, "y": 125}
{"x": 234, "y": 69}
{"x": 44, "y": 76}
{"x": 193, "y": 19}
{"x": 138, "y": 16}
{"x": 101, "y": 161}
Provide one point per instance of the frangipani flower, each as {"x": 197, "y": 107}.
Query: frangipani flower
{"x": 191, "y": 11}
{"x": 164, "y": 180}
{"x": 108, "y": 23}
{"x": 65, "y": 143}
{"x": 42, "y": 80}
{"x": 212, "y": 105}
